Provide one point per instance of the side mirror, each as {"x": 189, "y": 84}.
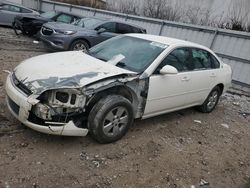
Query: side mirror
{"x": 168, "y": 69}
{"x": 101, "y": 30}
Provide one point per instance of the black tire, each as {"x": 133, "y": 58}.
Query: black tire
{"x": 75, "y": 46}
{"x": 16, "y": 29}
{"x": 101, "y": 128}
{"x": 211, "y": 101}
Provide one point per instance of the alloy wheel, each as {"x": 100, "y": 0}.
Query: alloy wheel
{"x": 115, "y": 121}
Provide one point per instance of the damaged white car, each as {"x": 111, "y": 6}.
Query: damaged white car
{"x": 125, "y": 78}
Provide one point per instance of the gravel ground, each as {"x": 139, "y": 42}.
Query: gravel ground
{"x": 180, "y": 150}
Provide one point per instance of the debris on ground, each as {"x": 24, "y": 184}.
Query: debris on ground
{"x": 203, "y": 182}
{"x": 96, "y": 163}
{"x": 225, "y": 125}
{"x": 197, "y": 121}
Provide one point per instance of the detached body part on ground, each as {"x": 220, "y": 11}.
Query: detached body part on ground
{"x": 102, "y": 92}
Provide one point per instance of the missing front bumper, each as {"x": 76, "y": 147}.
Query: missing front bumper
{"x": 20, "y": 108}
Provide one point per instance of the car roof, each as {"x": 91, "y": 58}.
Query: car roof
{"x": 104, "y": 20}
{"x": 97, "y": 18}
{"x": 122, "y": 22}
{"x": 70, "y": 13}
{"x": 168, "y": 41}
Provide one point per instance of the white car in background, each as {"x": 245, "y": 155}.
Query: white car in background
{"x": 125, "y": 78}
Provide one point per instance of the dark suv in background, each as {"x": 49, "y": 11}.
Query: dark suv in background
{"x": 83, "y": 33}
{"x": 31, "y": 24}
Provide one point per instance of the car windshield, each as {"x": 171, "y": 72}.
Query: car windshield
{"x": 135, "y": 54}
{"x": 87, "y": 22}
{"x": 49, "y": 14}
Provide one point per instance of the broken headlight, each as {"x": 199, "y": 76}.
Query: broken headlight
{"x": 61, "y": 102}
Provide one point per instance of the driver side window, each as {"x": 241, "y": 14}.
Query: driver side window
{"x": 176, "y": 58}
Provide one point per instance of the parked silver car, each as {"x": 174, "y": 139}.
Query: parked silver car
{"x": 9, "y": 10}
{"x": 84, "y": 33}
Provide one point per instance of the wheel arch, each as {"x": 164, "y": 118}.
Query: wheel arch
{"x": 221, "y": 86}
{"x": 80, "y": 38}
{"x": 122, "y": 90}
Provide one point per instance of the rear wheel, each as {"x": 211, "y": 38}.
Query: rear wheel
{"x": 211, "y": 101}
{"x": 110, "y": 118}
{"x": 79, "y": 45}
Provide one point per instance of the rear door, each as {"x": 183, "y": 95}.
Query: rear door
{"x": 205, "y": 74}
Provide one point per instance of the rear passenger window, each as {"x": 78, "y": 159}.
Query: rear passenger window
{"x": 136, "y": 30}
{"x": 11, "y": 8}
{"x": 24, "y": 10}
{"x": 124, "y": 28}
{"x": 201, "y": 59}
{"x": 109, "y": 26}
{"x": 215, "y": 62}
{"x": 64, "y": 18}
{"x": 204, "y": 60}
{"x": 5, "y": 7}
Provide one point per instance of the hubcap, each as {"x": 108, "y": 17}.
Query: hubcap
{"x": 115, "y": 121}
{"x": 212, "y": 100}
{"x": 79, "y": 46}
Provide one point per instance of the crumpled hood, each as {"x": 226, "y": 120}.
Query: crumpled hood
{"x": 64, "y": 70}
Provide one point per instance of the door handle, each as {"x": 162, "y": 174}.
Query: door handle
{"x": 213, "y": 75}
{"x": 185, "y": 78}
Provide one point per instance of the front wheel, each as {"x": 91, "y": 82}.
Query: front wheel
{"x": 211, "y": 101}
{"x": 79, "y": 45}
{"x": 110, "y": 118}
{"x": 16, "y": 29}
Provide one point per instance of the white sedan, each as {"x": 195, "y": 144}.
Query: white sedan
{"x": 125, "y": 78}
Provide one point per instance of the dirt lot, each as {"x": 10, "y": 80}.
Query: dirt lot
{"x": 170, "y": 150}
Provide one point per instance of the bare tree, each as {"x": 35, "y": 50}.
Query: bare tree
{"x": 89, "y": 3}
{"x": 238, "y": 17}
{"x": 196, "y": 14}
{"x": 154, "y": 8}
{"x": 125, "y": 6}
{"x": 162, "y": 9}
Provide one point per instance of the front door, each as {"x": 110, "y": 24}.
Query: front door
{"x": 171, "y": 92}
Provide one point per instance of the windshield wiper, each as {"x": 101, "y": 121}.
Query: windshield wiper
{"x": 121, "y": 64}
{"x": 102, "y": 59}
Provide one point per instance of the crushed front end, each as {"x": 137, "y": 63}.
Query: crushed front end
{"x": 58, "y": 112}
